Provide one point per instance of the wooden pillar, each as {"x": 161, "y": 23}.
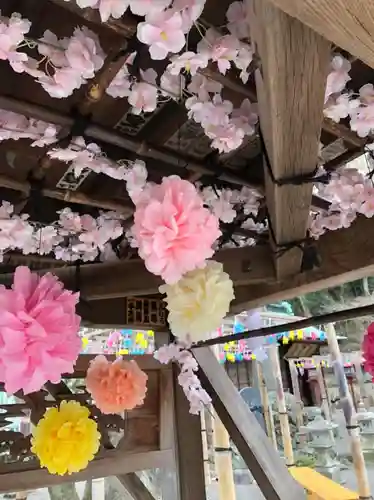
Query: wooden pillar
{"x": 189, "y": 448}
{"x": 296, "y": 393}
{"x": 223, "y": 456}
{"x": 350, "y": 414}
{"x": 205, "y": 448}
{"x": 324, "y": 396}
{"x": 282, "y": 410}
{"x": 268, "y": 411}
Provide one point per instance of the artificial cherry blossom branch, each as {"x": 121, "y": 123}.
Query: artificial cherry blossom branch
{"x": 72, "y": 237}
{"x": 187, "y": 379}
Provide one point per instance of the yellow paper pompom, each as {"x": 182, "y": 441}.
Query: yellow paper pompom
{"x": 199, "y": 301}
{"x": 65, "y": 439}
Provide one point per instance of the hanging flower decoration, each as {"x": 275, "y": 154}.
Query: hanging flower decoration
{"x": 174, "y": 232}
{"x": 368, "y": 350}
{"x": 116, "y": 386}
{"x": 39, "y": 338}
{"x": 199, "y": 301}
{"x": 72, "y": 237}
{"x": 66, "y": 439}
{"x": 188, "y": 380}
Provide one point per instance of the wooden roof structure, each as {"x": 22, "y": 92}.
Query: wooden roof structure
{"x": 289, "y": 87}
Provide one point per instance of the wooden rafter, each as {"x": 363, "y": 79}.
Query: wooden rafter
{"x": 126, "y": 26}
{"x": 346, "y": 255}
{"x": 290, "y": 89}
{"x": 123, "y": 141}
{"x": 67, "y": 196}
{"x": 347, "y": 23}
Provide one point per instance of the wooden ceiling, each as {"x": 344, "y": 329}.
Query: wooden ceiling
{"x": 289, "y": 87}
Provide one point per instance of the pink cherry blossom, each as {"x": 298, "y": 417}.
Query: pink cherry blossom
{"x": 189, "y": 62}
{"x": 203, "y": 86}
{"x": 245, "y": 117}
{"x": 15, "y": 126}
{"x": 55, "y": 55}
{"x": 84, "y": 53}
{"x": 362, "y": 122}
{"x": 174, "y": 231}
{"x": 143, "y": 98}
{"x": 12, "y": 32}
{"x": 237, "y": 20}
{"x": 88, "y": 156}
{"x": 188, "y": 380}
{"x": 367, "y": 94}
{"x": 190, "y": 11}
{"x": 121, "y": 84}
{"x": 226, "y": 137}
{"x": 172, "y": 85}
{"x": 136, "y": 179}
{"x": 144, "y": 7}
{"x": 243, "y": 60}
{"x": 341, "y": 107}
{"x": 221, "y": 49}
{"x": 163, "y": 33}
{"x": 338, "y": 77}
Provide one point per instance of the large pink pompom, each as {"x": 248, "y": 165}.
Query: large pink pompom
{"x": 368, "y": 350}
{"x": 174, "y": 231}
{"x": 117, "y": 386}
{"x": 39, "y": 338}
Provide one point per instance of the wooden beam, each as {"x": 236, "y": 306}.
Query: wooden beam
{"x": 108, "y": 136}
{"x": 346, "y": 255}
{"x": 266, "y": 466}
{"x": 131, "y": 278}
{"x": 113, "y": 464}
{"x": 349, "y": 24}
{"x": 146, "y": 362}
{"x": 135, "y": 486}
{"x": 190, "y": 460}
{"x": 67, "y": 196}
{"x": 290, "y": 90}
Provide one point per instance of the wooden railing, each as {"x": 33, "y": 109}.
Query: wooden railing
{"x": 320, "y": 487}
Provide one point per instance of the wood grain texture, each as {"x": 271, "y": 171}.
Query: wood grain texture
{"x": 266, "y": 466}
{"x": 347, "y": 23}
{"x": 114, "y": 464}
{"x": 346, "y": 255}
{"x": 290, "y": 90}
{"x": 131, "y": 278}
{"x": 190, "y": 462}
{"x": 135, "y": 486}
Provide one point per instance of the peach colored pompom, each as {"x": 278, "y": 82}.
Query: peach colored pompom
{"x": 116, "y": 386}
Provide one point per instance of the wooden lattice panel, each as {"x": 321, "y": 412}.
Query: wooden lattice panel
{"x": 136, "y": 432}
{"x": 145, "y": 312}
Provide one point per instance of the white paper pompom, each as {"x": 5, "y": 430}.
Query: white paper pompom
{"x": 198, "y": 302}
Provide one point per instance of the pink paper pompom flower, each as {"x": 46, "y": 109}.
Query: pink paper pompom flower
{"x": 39, "y": 338}
{"x": 174, "y": 231}
{"x": 116, "y": 386}
{"x": 368, "y": 350}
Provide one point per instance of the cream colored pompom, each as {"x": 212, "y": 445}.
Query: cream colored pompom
{"x": 199, "y": 301}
